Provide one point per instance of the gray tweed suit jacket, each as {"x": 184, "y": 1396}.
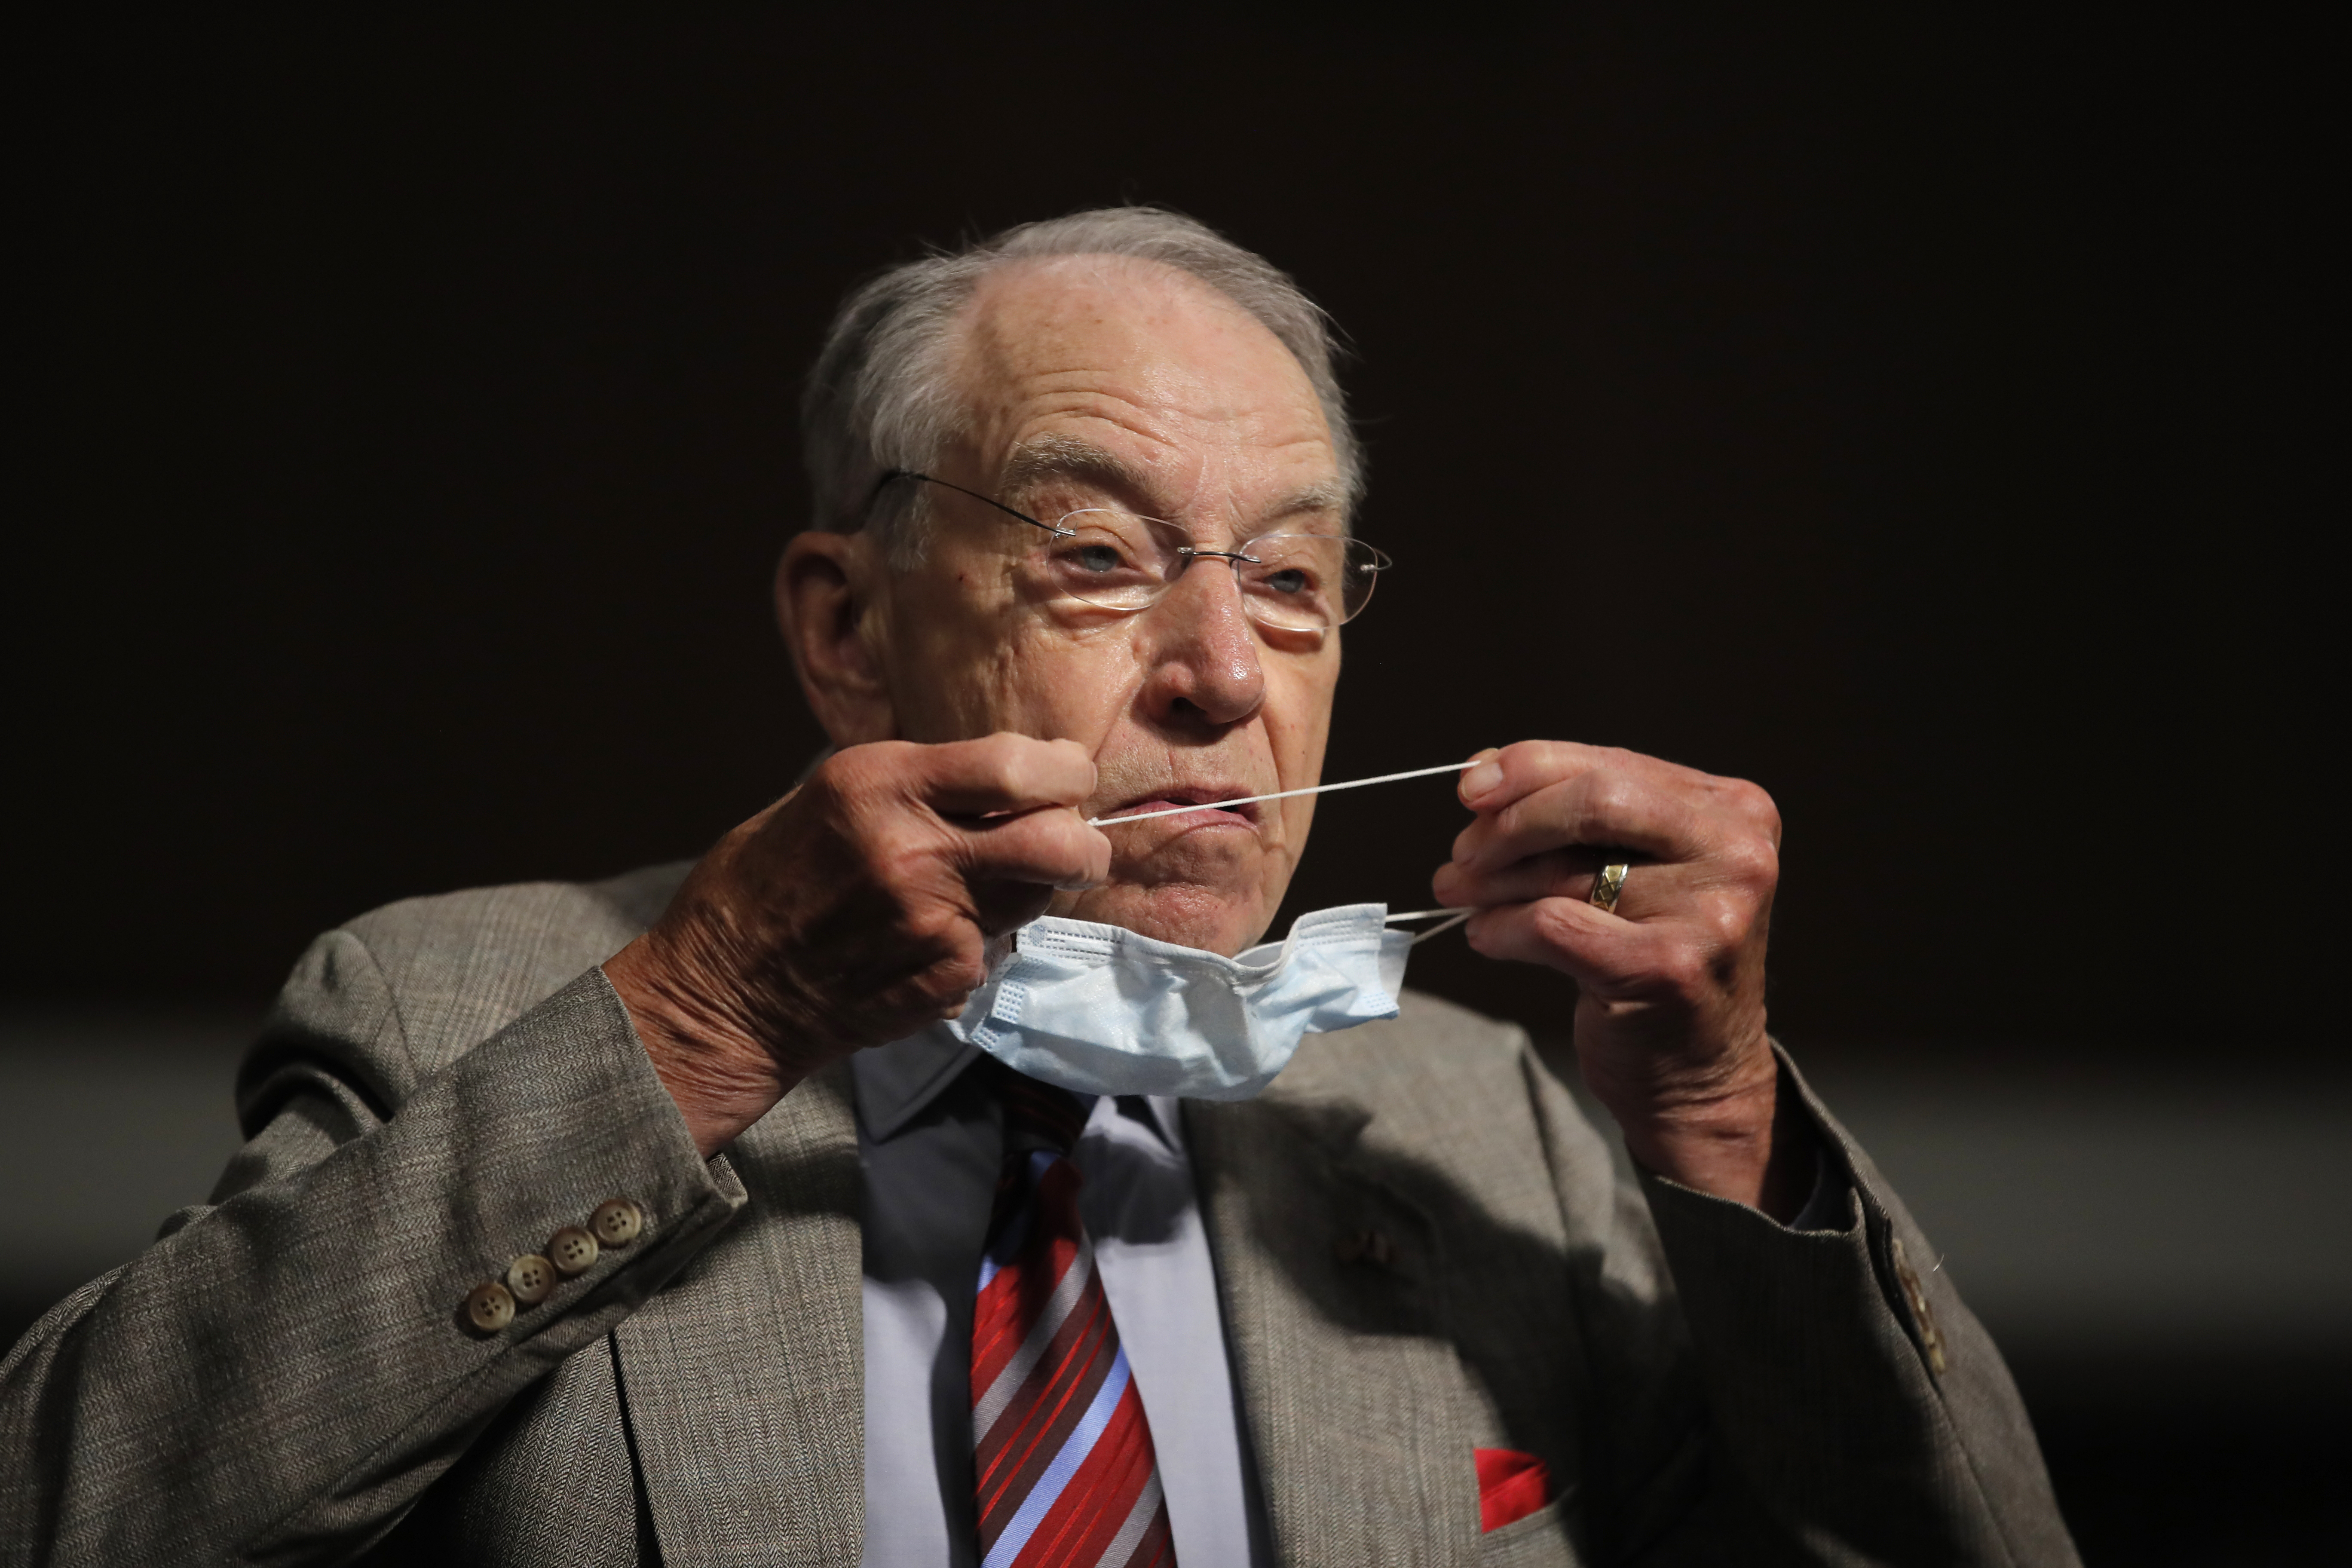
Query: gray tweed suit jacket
{"x": 285, "y": 1376}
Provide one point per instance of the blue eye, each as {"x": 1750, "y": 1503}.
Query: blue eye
{"x": 1098, "y": 558}
{"x": 1293, "y": 581}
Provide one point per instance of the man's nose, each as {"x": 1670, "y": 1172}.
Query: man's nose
{"x": 1203, "y": 651}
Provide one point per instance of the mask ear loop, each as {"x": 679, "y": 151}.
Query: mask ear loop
{"x": 1454, "y": 917}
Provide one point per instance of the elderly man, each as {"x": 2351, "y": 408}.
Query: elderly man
{"x": 698, "y": 1216}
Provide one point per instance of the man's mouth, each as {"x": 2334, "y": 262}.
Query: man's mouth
{"x": 1207, "y": 810}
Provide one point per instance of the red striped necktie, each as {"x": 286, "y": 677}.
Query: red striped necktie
{"x": 1066, "y": 1469}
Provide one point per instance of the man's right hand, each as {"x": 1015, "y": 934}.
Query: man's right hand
{"x": 850, "y": 913}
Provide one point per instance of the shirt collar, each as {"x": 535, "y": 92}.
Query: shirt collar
{"x": 895, "y": 1082}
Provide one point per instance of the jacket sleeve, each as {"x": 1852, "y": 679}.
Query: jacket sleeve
{"x": 288, "y": 1366}
{"x": 1842, "y": 1405}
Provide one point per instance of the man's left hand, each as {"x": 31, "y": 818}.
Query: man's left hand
{"x": 1670, "y": 1007}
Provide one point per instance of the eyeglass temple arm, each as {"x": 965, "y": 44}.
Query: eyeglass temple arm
{"x": 892, "y": 474}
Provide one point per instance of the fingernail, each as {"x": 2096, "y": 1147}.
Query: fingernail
{"x": 1477, "y": 781}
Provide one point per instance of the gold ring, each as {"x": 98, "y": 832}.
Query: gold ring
{"x": 1608, "y": 886}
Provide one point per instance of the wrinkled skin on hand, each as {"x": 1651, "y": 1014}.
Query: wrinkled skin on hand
{"x": 852, "y": 912}
{"x": 1670, "y": 984}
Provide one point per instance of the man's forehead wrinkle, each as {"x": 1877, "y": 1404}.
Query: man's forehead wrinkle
{"x": 1134, "y": 310}
{"x": 1155, "y": 389}
{"x": 1151, "y": 435}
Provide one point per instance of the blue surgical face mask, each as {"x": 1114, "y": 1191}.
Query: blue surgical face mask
{"x": 1099, "y": 1009}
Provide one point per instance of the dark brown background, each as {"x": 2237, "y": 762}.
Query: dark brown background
{"x": 1891, "y": 411}
{"x": 1918, "y": 416}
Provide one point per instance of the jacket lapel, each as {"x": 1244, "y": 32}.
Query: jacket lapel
{"x": 1358, "y": 1412}
{"x": 742, "y": 1382}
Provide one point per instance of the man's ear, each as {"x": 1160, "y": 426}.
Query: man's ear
{"x": 827, "y": 608}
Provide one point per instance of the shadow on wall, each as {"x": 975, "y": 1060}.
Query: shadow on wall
{"x": 2154, "y": 1252}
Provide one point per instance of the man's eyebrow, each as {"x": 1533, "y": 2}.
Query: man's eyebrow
{"x": 1047, "y": 458}
{"x": 1331, "y": 495}
{"x": 1059, "y": 456}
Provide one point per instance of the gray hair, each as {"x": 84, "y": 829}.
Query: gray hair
{"x": 880, "y": 395}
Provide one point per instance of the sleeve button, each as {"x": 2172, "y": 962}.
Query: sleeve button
{"x": 572, "y": 1250}
{"x": 617, "y": 1222}
{"x": 490, "y": 1306}
{"x": 1916, "y": 1297}
{"x": 530, "y": 1278}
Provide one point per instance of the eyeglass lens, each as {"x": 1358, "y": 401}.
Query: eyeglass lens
{"x": 1297, "y": 582}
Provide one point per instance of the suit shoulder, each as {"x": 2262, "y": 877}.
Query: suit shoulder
{"x": 463, "y": 966}
{"x": 525, "y": 914}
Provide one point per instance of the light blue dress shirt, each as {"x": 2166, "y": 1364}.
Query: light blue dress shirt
{"x": 929, "y": 1140}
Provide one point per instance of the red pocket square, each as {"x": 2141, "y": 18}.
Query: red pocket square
{"x": 1511, "y": 1486}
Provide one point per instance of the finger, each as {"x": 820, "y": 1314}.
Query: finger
{"x": 1002, "y": 773}
{"x": 1001, "y": 906}
{"x": 1486, "y": 769}
{"x": 1052, "y": 847}
{"x": 1522, "y": 768}
{"x": 1603, "y": 808}
{"x": 1591, "y": 946}
{"x": 1652, "y": 888}
{"x": 1503, "y": 775}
